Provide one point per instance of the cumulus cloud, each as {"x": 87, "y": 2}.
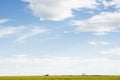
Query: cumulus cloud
{"x": 3, "y": 21}
{"x": 57, "y": 9}
{"x": 112, "y": 51}
{"x": 99, "y": 24}
{"x": 27, "y": 65}
{"x": 97, "y": 43}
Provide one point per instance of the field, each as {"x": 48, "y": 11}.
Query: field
{"x": 59, "y": 77}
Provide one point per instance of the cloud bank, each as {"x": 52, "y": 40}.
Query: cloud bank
{"x": 27, "y": 65}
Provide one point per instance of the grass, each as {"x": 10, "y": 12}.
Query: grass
{"x": 59, "y": 77}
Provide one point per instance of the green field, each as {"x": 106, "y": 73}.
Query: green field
{"x": 60, "y": 78}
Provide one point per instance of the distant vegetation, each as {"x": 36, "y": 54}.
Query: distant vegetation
{"x": 46, "y": 77}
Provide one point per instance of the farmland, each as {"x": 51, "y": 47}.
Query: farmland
{"x": 59, "y": 77}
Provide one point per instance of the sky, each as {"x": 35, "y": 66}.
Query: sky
{"x": 59, "y": 37}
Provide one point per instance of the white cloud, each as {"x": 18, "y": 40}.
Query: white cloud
{"x": 10, "y": 31}
{"x": 116, "y": 2}
{"x": 99, "y": 24}
{"x": 30, "y": 32}
{"x": 112, "y": 51}
{"x": 57, "y": 9}
{"x": 20, "y": 55}
{"x": 23, "y": 32}
{"x": 97, "y": 43}
{"x": 61, "y": 9}
{"x": 94, "y": 43}
{"x": 27, "y": 65}
{"x": 3, "y": 21}
{"x": 107, "y": 3}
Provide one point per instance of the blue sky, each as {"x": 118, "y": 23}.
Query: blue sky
{"x": 56, "y": 37}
